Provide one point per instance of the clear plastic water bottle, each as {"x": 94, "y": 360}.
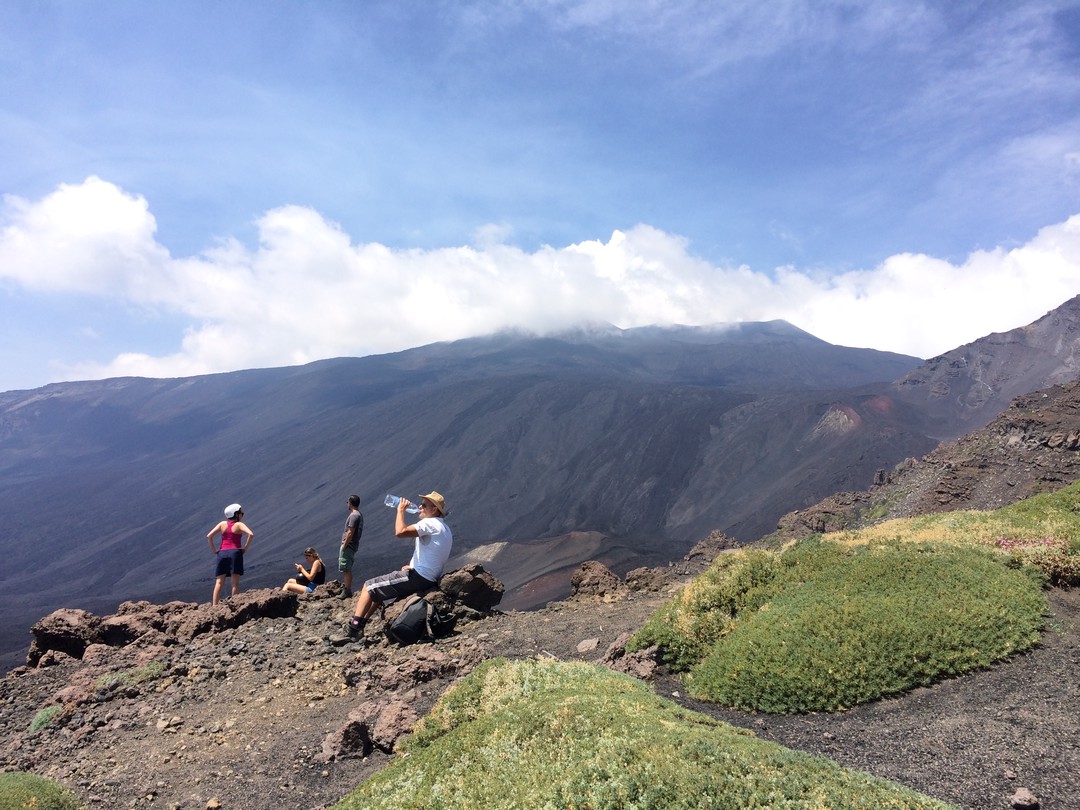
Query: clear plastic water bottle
{"x": 392, "y": 502}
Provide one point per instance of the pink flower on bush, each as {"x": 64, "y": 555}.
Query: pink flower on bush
{"x": 1051, "y": 554}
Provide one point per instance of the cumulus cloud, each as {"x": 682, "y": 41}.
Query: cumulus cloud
{"x": 80, "y": 238}
{"x": 306, "y": 291}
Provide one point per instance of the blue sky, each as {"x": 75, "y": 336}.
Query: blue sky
{"x": 204, "y": 186}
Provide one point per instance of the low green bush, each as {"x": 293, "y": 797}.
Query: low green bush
{"x": 550, "y": 734}
{"x": 1042, "y": 531}
{"x": 1056, "y": 557}
{"x": 706, "y": 611}
{"x": 844, "y": 625}
{"x": 148, "y": 672}
{"x": 25, "y": 791}
{"x": 44, "y": 717}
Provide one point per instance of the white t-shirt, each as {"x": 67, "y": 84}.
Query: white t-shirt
{"x": 432, "y": 548}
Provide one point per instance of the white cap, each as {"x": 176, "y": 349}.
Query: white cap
{"x": 232, "y": 509}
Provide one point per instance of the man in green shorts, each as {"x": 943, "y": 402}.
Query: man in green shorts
{"x": 350, "y": 543}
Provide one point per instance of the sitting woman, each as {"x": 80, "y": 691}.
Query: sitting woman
{"x": 306, "y": 580}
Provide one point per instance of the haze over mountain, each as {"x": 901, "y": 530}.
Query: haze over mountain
{"x": 642, "y": 440}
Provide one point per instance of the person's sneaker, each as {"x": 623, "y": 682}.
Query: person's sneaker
{"x": 346, "y": 593}
{"x": 354, "y": 629}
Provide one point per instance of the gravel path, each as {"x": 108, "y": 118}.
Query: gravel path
{"x": 973, "y": 741}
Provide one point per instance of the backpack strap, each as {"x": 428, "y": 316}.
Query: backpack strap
{"x": 427, "y": 619}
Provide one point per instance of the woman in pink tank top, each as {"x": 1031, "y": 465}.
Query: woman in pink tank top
{"x": 235, "y": 541}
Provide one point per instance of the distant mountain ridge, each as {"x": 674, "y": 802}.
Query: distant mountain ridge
{"x": 649, "y": 437}
{"x": 968, "y": 386}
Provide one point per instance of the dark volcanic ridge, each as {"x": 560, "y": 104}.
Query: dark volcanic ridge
{"x": 1031, "y": 448}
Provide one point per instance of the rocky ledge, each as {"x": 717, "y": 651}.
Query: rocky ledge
{"x": 263, "y": 700}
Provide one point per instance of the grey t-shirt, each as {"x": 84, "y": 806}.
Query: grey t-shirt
{"x": 354, "y": 521}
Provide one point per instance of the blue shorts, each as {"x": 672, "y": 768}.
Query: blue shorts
{"x": 230, "y": 563}
{"x": 396, "y": 584}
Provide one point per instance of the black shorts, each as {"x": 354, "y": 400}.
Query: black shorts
{"x": 396, "y": 584}
{"x": 230, "y": 563}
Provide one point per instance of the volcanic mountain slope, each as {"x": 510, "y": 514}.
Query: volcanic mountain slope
{"x": 963, "y": 389}
{"x": 647, "y": 438}
{"x": 1033, "y": 447}
{"x": 600, "y": 431}
{"x": 971, "y": 740}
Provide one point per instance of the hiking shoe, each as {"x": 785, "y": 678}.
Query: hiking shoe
{"x": 346, "y": 593}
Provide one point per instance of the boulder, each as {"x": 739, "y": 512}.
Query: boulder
{"x": 1024, "y": 799}
{"x": 353, "y": 738}
{"x": 184, "y": 625}
{"x": 396, "y": 670}
{"x": 185, "y": 621}
{"x": 472, "y": 587}
{"x": 468, "y": 593}
{"x": 700, "y": 557}
{"x": 99, "y": 655}
{"x": 370, "y": 725}
{"x": 641, "y": 664}
{"x": 647, "y": 579}
{"x": 68, "y": 630}
{"x": 51, "y": 658}
{"x": 394, "y": 721}
{"x": 263, "y": 603}
{"x": 120, "y": 630}
{"x": 594, "y": 578}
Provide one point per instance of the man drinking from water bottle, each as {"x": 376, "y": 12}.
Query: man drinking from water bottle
{"x": 431, "y": 550}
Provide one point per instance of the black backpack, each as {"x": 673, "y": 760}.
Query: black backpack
{"x": 419, "y": 621}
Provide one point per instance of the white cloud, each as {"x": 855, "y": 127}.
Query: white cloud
{"x": 917, "y": 304}
{"x": 82, "y": 237}
{"x": 306, "y": 291}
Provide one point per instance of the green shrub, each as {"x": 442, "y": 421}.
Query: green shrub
{"x": 550, "y": 734}
{"x": 25, "y": 791}
{"x": 1043, "y": 531}
{"x": 147, "y": 672}
{"x": 44, "y": 717}
{"x": 845, "y": 625}
{"x": 706, "y": 611}
{"x": 1056, "y": 557}
{"x": 889, "y": 619}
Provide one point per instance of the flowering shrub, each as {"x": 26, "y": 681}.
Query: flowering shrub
{"x": 1057, "y": 557}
